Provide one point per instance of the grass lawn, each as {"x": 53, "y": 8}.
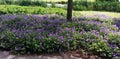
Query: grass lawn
{"x": 112, "y": 14}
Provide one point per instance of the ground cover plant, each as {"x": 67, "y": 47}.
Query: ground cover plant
{"x": 40, "y": 34}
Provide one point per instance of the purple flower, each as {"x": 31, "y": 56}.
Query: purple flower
{"x": 113, "y": 46}
{"x": 61, "y": 37}
{"x": 67, "y": 29}
{"x": 16, "y": 48}
{"x": 39, "y": 30}
{"x": 14, "y": 30}
{"x": 115, "y": 55}
{"x": 51, "y": 34}
{"x": 12, "y": 16}
{"x": 108, "y": 44}
{"x": 26, "y": 18}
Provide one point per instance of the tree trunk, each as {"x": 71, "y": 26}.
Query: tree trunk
{"x": 69, "y": 10}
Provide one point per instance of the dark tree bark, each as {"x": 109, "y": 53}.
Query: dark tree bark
{"x": 69, "y": 10}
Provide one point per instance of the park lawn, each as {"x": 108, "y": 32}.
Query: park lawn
{"x": 112, "y": 14}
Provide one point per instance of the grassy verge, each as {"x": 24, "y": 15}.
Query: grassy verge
{"x": 90, "y": 13}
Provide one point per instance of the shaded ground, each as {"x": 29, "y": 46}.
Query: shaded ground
{"x": 68, "y": 55}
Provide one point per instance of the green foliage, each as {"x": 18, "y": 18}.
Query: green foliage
{"x": 53, "y": 4}
{"x": 97, "y": 6}
{"x": 24, "y": 3}
{"x": 31, "y": 3}
{"x": 13, "y": 9}
{"x": 108, "y": 0}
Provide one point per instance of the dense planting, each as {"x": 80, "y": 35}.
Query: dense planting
{"x": 14, "y": 9}
{"x": 37, "y": 34}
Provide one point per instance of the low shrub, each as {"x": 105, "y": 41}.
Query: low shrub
{"x": 31, "y": 3}
{"x": 14, "y": 9}
{"x": 97, "y": 6}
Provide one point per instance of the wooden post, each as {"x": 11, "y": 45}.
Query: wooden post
{"x": 69, "y": 10}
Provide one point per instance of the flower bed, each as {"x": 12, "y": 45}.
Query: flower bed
{"x": 48, "y": 34}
